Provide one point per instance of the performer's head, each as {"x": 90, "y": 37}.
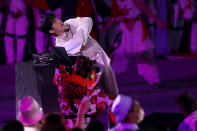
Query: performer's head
{"x": 52, "y": 25}
{"x": 187, "y": 103}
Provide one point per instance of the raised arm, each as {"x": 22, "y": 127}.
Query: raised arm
{"x": 83, "y": 108}
{"x": 86, "y": 24}
{"x": 82, "y": 23}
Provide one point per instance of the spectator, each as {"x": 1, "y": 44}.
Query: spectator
{"x": 13, "y": 126}
{"x": 76, "y": 129}
{"x": 188, "y": 105}
{"x": 53, "y": 122}
{"x": 95, "y": 125}
{"x": 128, "y": 113}
{"x": 30, "y": 114}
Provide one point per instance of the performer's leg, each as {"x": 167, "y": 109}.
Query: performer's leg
{"x": 9, "y": 49}
{"x": 9, "y": 40}
{"x": 109, "y": 82}
{"x": 21, "y": 32}
{"x": 185, "y": 40}
{"x": 20, "y": 42}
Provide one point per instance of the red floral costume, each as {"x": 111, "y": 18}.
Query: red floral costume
{"x": 71, "y": 90}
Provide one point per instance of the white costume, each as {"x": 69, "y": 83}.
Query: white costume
{"x": 16, "y": 27}
{"x": 77, "y": 41}
{"x": 135, "y": 42}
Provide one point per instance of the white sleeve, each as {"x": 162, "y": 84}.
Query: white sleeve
{"x": 85, "y": 23}
{"x": 73, "y": 45}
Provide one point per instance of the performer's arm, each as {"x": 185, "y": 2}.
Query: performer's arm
{"x": 86, "y": 24}
{"x": 83, "y": 23}
{"x": 40, "y": 4}
{"x": 83, "y": 108}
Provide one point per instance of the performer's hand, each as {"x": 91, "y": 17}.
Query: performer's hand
{"x": 84, "y": 106}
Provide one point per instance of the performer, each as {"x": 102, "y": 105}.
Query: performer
{"x": 16, "y": 17}
{"x": 187, "y": 10}
{"x": 84, "y": 9}
{"x": 74, "y": 36}
{"x": 74, "y": 87}
{"x": 133, "y": 39}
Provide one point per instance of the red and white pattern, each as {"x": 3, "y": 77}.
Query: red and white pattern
{"x": 71, "y": 90}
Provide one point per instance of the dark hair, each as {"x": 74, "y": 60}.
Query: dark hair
{"x": 47, "y": 23}
{"x": 84, "y": 66}
{"x": 187, "y": 102}
{"x": 161, "y": 127}
{"x": 13, "y": 126}
{"x": 76, "y": 129}
{"x": 53, "y": 122}
{"x": 95, "y": 125}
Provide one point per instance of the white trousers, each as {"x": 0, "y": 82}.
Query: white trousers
{"x": 17, "y": 28}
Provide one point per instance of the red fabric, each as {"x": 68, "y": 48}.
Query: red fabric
{"x": 73, "y": 88}
{"x": 145, "y": 32}
{"x": 190, "y": 4}
{"x": 113, "y": 117}
{"x": 40, "y": 4}
{"x": 115, "y": 11}
{"x": 84, "y": 9}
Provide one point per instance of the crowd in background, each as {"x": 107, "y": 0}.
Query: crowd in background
{"x": 20, "y": 35}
